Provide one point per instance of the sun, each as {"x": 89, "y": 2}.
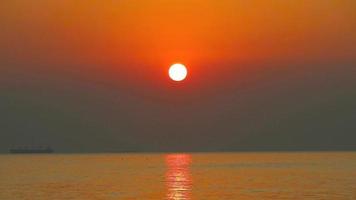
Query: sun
{"x": 178, "y": 72}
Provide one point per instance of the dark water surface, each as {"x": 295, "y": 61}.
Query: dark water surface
{"x": 307, "y": 175}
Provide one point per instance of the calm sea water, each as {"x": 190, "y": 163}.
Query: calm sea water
{"x": 179, "y": 176}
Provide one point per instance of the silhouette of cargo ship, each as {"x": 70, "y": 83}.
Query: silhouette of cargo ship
{"x": 31, "y": 149}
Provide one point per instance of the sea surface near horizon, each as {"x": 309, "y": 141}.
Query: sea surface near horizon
{"x": 296, "y": 175}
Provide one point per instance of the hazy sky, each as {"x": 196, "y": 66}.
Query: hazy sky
{"x": 92, "y": 75}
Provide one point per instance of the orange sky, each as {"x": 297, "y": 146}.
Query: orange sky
{"x": 160, "y": 32}
{"x": 136, "y": 41}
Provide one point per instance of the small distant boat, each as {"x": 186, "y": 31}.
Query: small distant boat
{"x": 31, "y": 149}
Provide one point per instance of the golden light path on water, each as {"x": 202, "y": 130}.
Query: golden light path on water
{"x": 178, "y": 176}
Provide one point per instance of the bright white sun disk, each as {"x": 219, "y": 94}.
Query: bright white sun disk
{"x": 178, "y": 72}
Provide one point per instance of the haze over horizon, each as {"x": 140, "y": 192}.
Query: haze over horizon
{"x": 91, "y": 76}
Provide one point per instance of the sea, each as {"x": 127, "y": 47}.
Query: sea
{"x": 179, "y": 176}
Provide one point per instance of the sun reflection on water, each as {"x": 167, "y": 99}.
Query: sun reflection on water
{"x": 178, "y": 177}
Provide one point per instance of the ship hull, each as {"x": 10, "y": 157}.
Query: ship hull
{"x": 33, "y": 151}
